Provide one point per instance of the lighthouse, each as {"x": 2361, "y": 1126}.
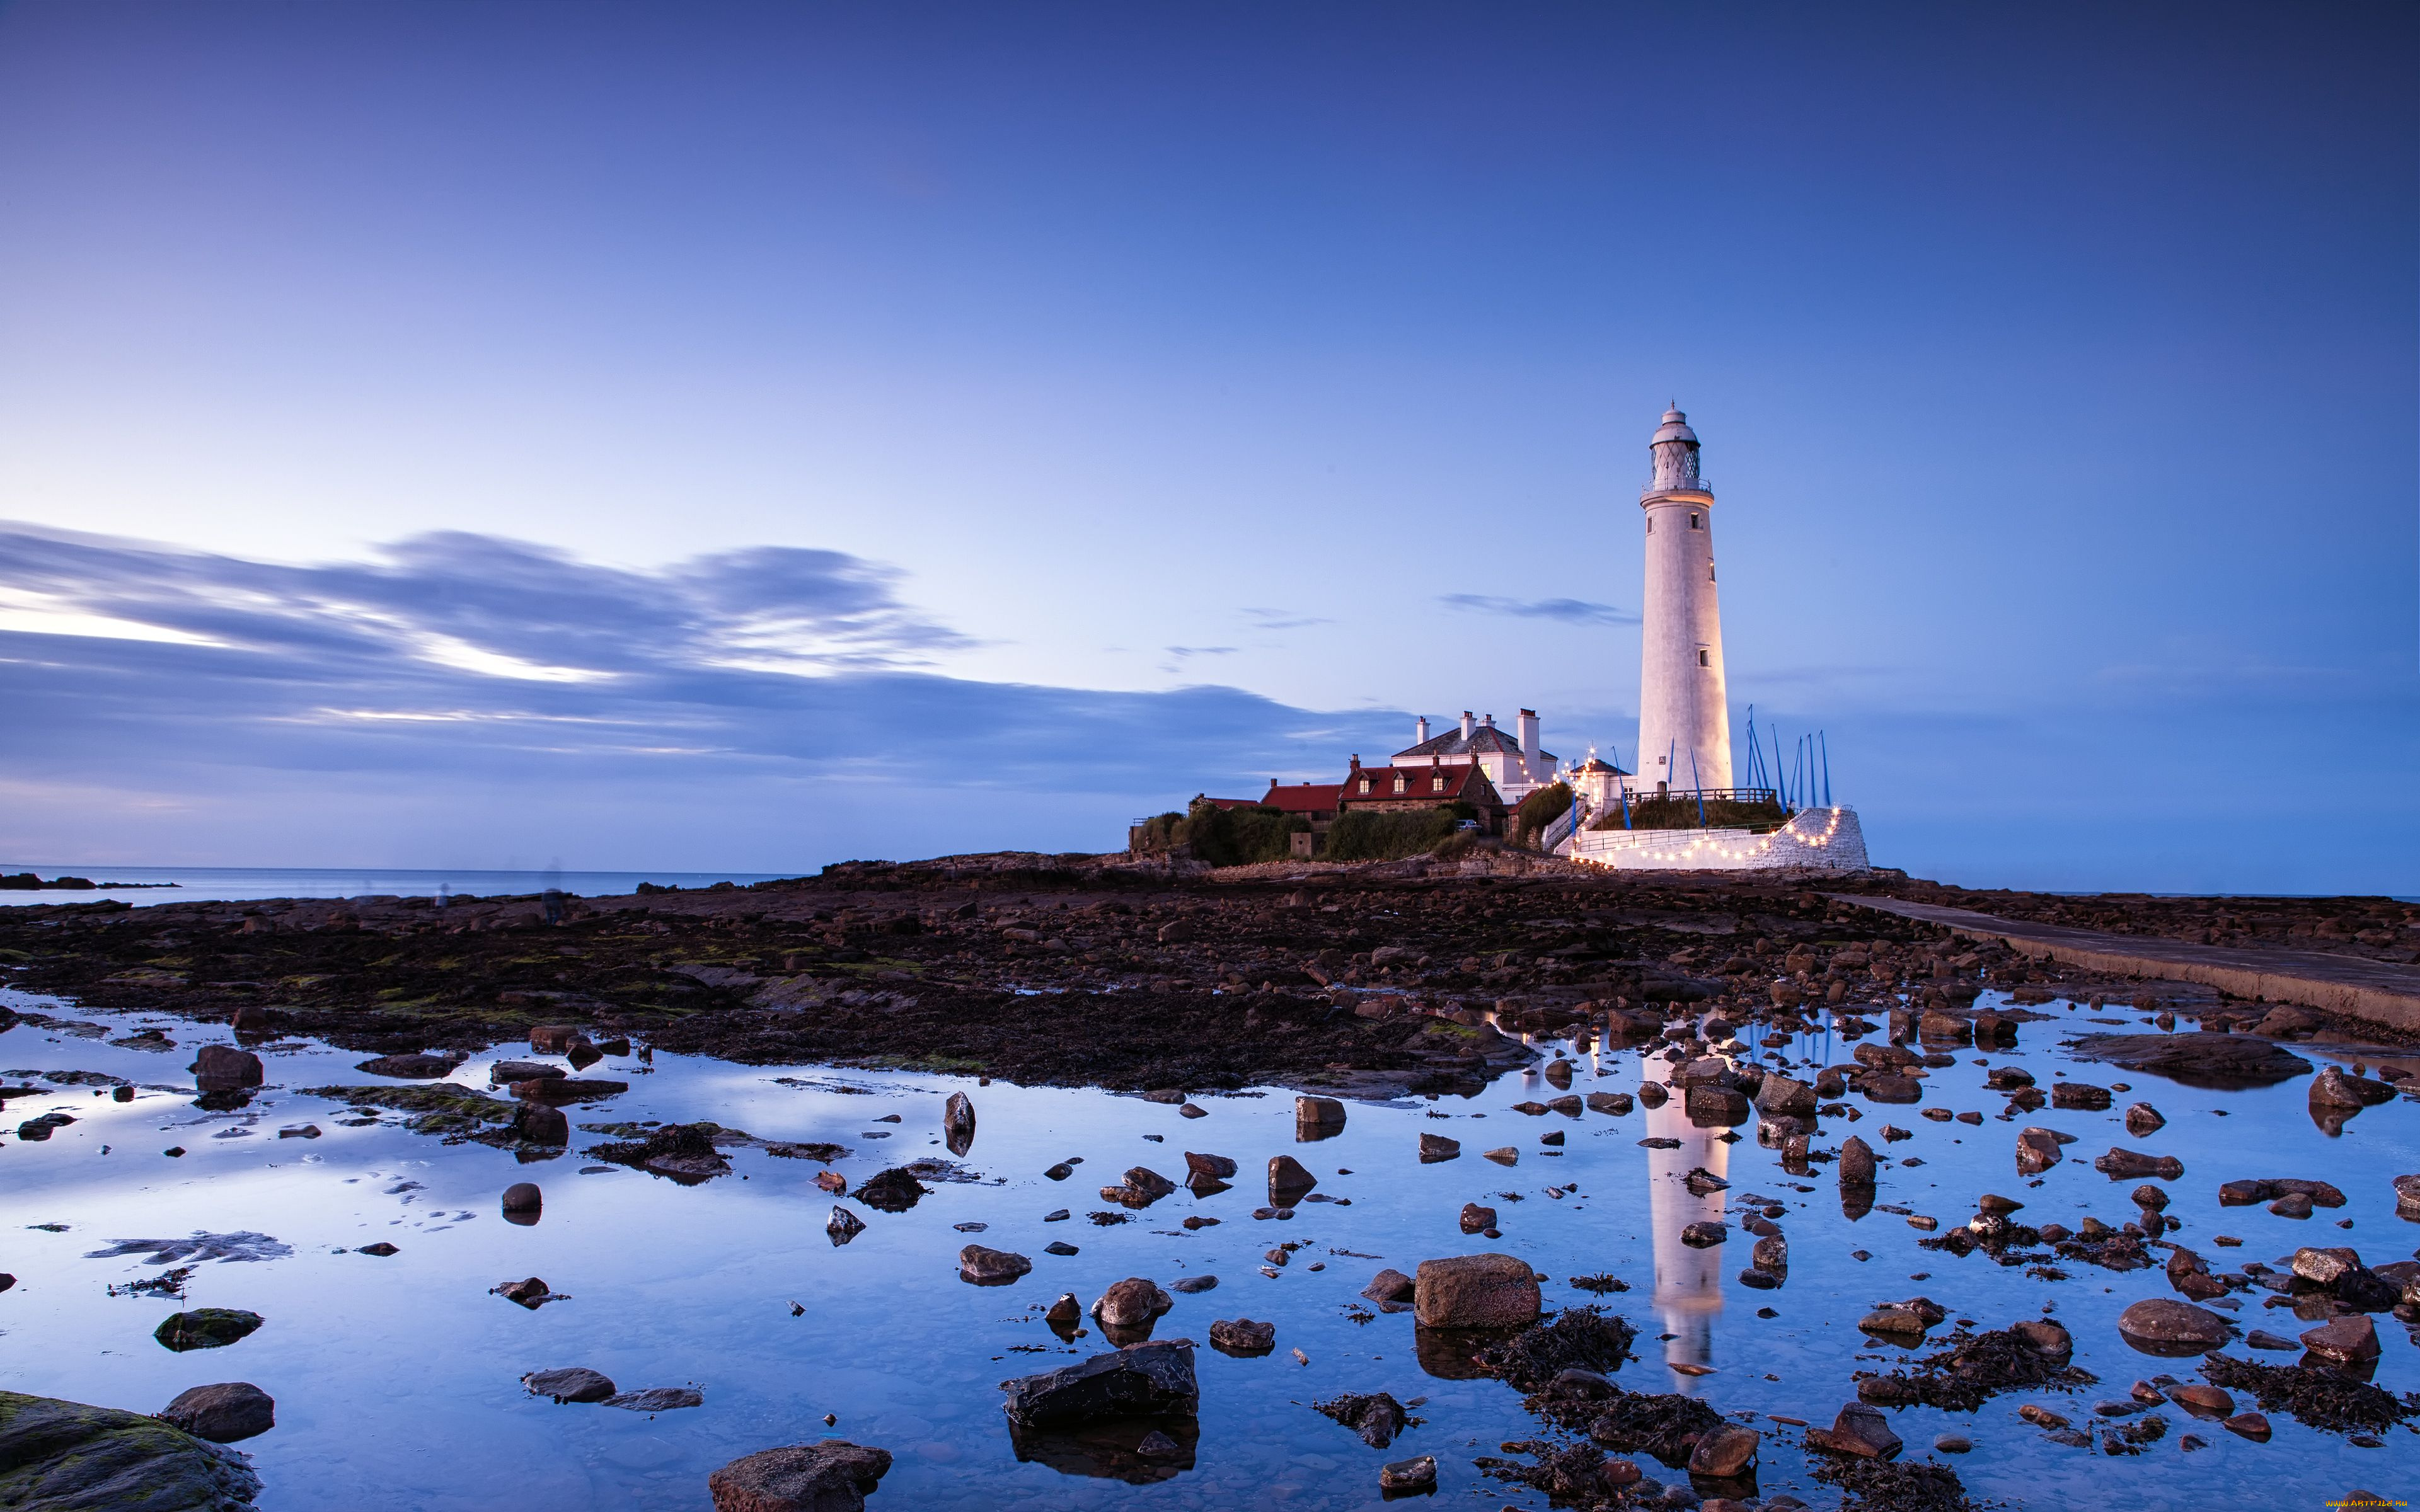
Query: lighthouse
{"x": 1684, "y": 740}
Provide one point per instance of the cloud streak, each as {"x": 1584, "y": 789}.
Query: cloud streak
{"x": 1569, "y": 611}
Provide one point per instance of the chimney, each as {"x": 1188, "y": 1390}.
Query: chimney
{"x": 1465, "y": 724}
{"x": 1420, "y": 730}
{"x": 1356, "y": 761}
{"x": 1489, "y": 721}
{"x": 1530, "y": 755}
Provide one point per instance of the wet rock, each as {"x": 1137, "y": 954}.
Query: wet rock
{"x": 380, "y": 1249}
{"x": 2334, "y": 1087}
{"x": 1288, "y": 1180}
{"x": 984, "y": 1267}
{"x": 1653, "y": 1094}
{"x": 419, "y": 1067}
{"x": 2325, "y": 1266}
{"x": 831, "y": 1476}
{"x": 2249, "y": 1426}
{"x": 553, "y": 1039}
{"x": 1066, "y": 1312}
{"x": 536, "y": 1123}
{"x": 1243, "y": 1337}
{"x": 206, "y": 1328}
{"x": 1190, "y": 1283}
{"x": 2079, "y": 1095}
{"x": 1142, "y": 1380}
{"x": 1209, "y": 1167}
{"x": 2037, "y": 1151}
{"x": 2222, "y": 1061}
{"x": 958, "y": 1123}
{"x": 530, "y": 1292}
{"x": 223, "y": 1068}
{"x": 66, "y": 1457}
{"x": 1408, "y": 1477}
{"x": 2126, "y": 1165}
{"x": 1727, "y": 1452}
{"x": 1859, "y": 1431}
{"x": 1377, "y": 1417}
{"x": 228, "y": 1412}
{"x": 1060, "y": 1246}
{"x": 572, "y": 1383}
{"x": 1475, "y": 1219}
{"x": 1390, "y": 1286}
{"x": 1704, "y": 1234}
{"x": 1884, "y": 1086}
{"x": 508, "y": 1073}
{"x": 1434, "y": 1148}
{"x": 1505, "y": 1156}
{"x": 894, "y": 1190}
{"x": 2142, "y": 1119}
{"x": 1133, "y": 1303}
{"x": 1855, "y": 1166}
{"x": 1716, "y": 1107}
{"x": 560, "y": 1090}
{"x": 1142, "y": 1187}
{"x": 1059, "y": 1172}
{"x": 2343, "y": 1340}
{"x": 1894, "y": 1321}
{"x": 655, "y": 1400}
{"x": 843, "y": 1225}
{"x": 523, "y": 1197}
{"x": 2007, "y": 1078}
{"x": 2150, "y": 1197}
{"x": 1318, "y": 1113}
{"x": 1618, "y": 1104}
{"x": 2162, "y": 1325}
{"x": 2202, "y": 1401}
{"x": 1475, "y": 1291}
{"x": 2292, "y": 1205}
{"x": 1772, "y": 1252}
{"x": 1783, "y": 1095}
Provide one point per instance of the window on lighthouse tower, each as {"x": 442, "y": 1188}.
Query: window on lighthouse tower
{"x": 1705, "y": 658}
{"x": 1693, "y": 522}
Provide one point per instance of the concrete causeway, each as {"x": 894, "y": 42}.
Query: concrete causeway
{"x": 2376, "y": 990}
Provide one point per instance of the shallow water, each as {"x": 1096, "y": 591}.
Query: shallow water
{"x": 397, "y": 1380}
{"x": 209, "y": 884}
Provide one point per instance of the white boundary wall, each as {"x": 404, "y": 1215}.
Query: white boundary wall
{"x": 1817, "y": 840}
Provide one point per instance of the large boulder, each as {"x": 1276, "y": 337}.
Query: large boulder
{"x": 1132, "y": 1302}
{"x": 1475, "y": 1291}
{"x": 204, "y": 1328}
{"x": 2212, "y": 1060}
{"x": 2165, "y": 1326}
{"x": 65, "y": 1456}
{"x": 1780, "y": 1094}
{"x": 1143, "y": 1380}
{"x": 223, "y": 1068}
{"x": 2333, "y": 1088}
{"x": 224, "y": 1413}
{"x": 991, "y": 1267}
{"x": 832, "y": 1477}
{"x": 1857, "y": 1164}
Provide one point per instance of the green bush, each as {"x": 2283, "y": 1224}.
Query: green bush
{"x": 1160, "y": 832}
{"x": 1680, "y": 812}
{"x": 1239, "y": 836}
{"x": 1360, "y": 835}
{"x": 1538, "y": 809}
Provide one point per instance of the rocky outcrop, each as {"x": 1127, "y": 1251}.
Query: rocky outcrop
{"x": 1142, "y": 1380}
{"x": 228, "y": 1412}
{"x": 65, "y": 1456}
{"x": 831, "y": 1476}
{"x": 1475, "y": 1291}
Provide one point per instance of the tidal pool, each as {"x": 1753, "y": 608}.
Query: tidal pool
{"x": 397, "y": 1379}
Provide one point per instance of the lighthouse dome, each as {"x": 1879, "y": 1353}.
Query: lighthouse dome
{"x": 1675, "y": 428}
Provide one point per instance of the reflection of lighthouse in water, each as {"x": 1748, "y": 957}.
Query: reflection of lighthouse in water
{"x": 1689, "y": 1282}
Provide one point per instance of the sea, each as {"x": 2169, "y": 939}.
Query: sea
{"x": 146, "y": 884}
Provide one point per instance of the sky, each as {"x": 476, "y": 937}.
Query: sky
{"x": 754, "y": 435}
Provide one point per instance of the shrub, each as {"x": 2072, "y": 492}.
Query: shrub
{"x": 1538, "y": 809}
{"x": 1239, "y": 836}
{"x": 1359, "y": 835}
{"x": 1680, "y": 812}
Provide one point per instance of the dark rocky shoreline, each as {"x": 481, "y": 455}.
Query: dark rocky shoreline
{"x": 1095, "y": 971}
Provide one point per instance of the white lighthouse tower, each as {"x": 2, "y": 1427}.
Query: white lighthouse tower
{"x": 1685, "y": 729}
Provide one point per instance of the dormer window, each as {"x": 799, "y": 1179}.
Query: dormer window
{"x": 1365, "y": 784}
{"x": 1399, "y": 781}
{"x": 1436, "y": 784}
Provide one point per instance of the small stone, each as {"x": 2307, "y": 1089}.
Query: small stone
{"x": 572, "y": 1383}
{"x": 1409, "y": 1476}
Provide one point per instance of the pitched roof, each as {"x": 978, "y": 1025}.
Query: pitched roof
{"x": 1597, "y": 763}
{"x": 1484, "y": 739}
{"x": 1462, "y": 779}
{"x": 1232, "y": 802}
{"x": 1301, "y": 798}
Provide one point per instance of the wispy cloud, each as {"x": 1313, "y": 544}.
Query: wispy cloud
{"x": 1277, "y": 619}
{"x": 1569, "y": 611}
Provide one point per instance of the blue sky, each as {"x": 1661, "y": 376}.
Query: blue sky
{"x": 749, "y": 435}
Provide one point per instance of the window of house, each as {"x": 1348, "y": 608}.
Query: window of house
{"x": 1436, "y": 784}
{"x": 1398, "y": 784}
{"x": 1365, "y": 784}
{"x": 1704, "y": 658}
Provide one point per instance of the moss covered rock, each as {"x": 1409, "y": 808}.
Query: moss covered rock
{"x": 66, "y": 1457}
